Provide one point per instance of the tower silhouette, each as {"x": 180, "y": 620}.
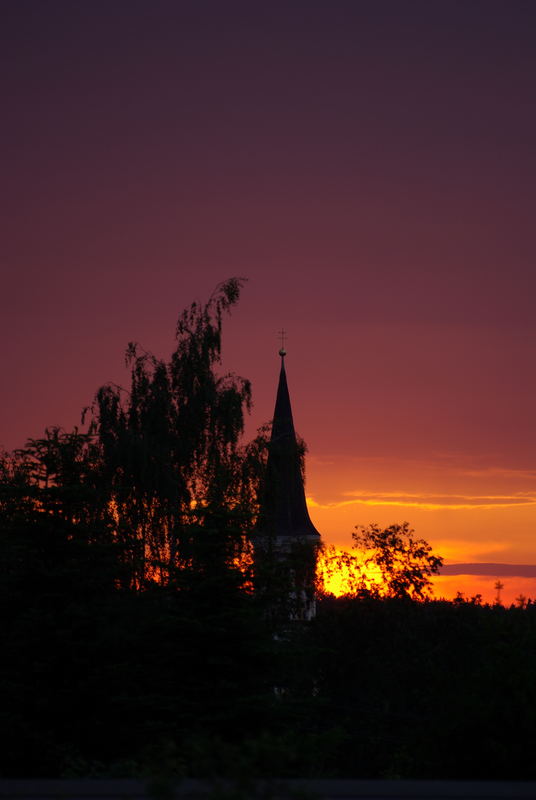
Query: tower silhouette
{"x": 285, "y": 539}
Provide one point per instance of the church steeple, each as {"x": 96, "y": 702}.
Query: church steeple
{"x": 285, "y": 539}
{"x": 283, "y": 510}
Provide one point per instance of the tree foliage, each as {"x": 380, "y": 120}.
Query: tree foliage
{"x": 170, "y": 447}
{"x": 383, "y": 562}
{"x": 161, "y": 473}
{"x": 403, "y": 563}
{"x": 131, "y": 537}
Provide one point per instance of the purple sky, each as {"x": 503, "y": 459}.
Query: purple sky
{"x": 369, "y": 166}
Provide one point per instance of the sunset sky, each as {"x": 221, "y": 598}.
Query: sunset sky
{"x": 368, "y": 165}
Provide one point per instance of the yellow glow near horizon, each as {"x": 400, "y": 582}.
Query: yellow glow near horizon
{"x": 342, "y": 579}
{"x": 494, "y": 526}
{"x": 340, "y": 571}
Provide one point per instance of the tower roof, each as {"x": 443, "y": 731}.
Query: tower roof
{"x": 283, "y": 508}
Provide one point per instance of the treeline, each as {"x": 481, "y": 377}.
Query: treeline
{"x": 160, "y": 682}
{"x": 133, "y": 642}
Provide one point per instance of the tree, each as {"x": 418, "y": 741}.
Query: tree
{"x": 387, "y": 562}
{"x": 170, "y": 453}
{"x": 397, "y": 564}
{"x": 160, "y": 473}
{"x": 125, "y": 564}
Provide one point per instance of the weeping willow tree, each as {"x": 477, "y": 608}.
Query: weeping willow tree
{"x": 125, "y": 578}
{"x": 160, "y": 472}
{"x": 170, "y": 451}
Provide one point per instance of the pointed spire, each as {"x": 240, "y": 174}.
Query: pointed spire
{"x": 284, "y": 509}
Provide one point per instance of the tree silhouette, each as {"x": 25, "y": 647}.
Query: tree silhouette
{"x": 384, "y": 562}
{"x": 405, "y": 564}
{"x": 125, "y": 549}
{"x": 171, "y": 457}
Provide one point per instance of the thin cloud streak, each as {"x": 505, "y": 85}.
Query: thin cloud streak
{"x": 499, "y": 472}
{"x": 429, "y": 495}
{"x": 492, "y": 569}
{"x": 425, "y": 501}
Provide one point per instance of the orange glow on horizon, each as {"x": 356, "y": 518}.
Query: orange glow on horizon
{"x": 471, "y": 510}
{"x": 341, "y": 572}
{"x": 341, "y": 579}
{"x": 446, "y": 587}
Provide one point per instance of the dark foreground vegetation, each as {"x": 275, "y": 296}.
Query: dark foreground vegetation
{"x": 133, "y": 643}
{"x": 118, "y": 683}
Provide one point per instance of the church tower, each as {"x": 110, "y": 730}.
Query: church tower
{"x": 285, "y": 537}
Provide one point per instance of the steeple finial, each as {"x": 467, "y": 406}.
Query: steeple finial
{"x": 282, "y": 335}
